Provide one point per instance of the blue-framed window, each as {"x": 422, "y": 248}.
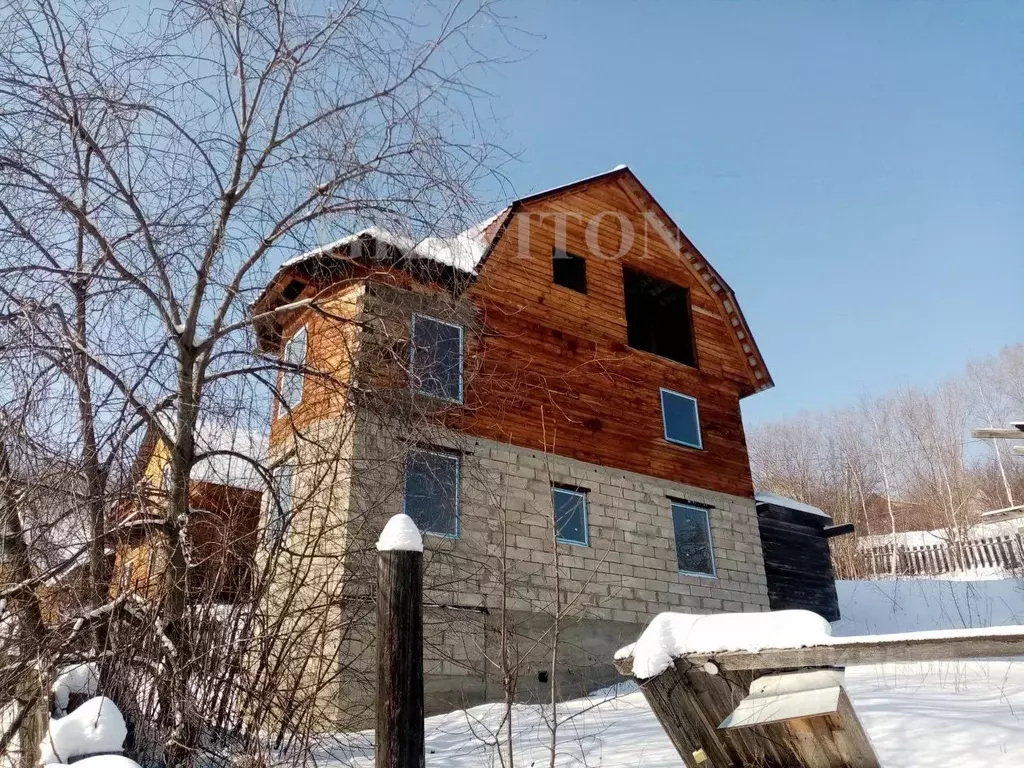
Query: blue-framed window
{"x": 432, "y": 481}
{"x": 293, "y": 376}
{"x": 279, "y": 511}
{"x": 681, "y": 419}
{"x": 436, "y": 358}
{"x": 694, "y": 551}
{"x": 570, "y": 515}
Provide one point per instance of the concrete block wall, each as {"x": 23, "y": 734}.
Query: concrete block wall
{"x": 605, "y": 593}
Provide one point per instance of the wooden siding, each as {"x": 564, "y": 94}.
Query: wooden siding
{"x": 555, "y": 372}
{"x": 549, "y": 368}
{"x": 797, "y": 561}
{"x": 332, "y": 334}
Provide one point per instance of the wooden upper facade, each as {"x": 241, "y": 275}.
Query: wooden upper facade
{"x": 551, "y": 359}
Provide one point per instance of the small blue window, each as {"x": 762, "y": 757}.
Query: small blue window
{"x": 281, "y": 501}
{"x": 292, "y": 376}
{"x": 432, "y": 491}
{"x": 681, "y": 419}
{"x": 570, "y": 516}
{"x": 694, "y": 552}
{"x": 437, "y": 358}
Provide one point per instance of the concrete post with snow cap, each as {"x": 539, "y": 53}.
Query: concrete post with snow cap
{"x": 399, "y": 732}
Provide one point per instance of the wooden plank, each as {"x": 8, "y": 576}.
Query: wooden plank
{"x": 688, "y": 702}
{"x": 998, "y": 434}
{"x": 874, "y": 652}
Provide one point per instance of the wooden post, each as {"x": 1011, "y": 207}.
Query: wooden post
{"x": 399, "y": 733}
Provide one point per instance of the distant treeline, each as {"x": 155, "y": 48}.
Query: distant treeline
{"x": 903, "y": 461}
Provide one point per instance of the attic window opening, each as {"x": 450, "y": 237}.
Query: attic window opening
{"x": 569, "y": 270}
{"x": 658, "y": 317}
{"x": 292, "y": 290}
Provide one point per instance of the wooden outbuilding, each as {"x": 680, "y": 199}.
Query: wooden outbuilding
{"x": 797, "y": 561}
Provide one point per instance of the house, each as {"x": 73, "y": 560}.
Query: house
{"x": 560, "y": 384}
{"x": 225, "y": 493}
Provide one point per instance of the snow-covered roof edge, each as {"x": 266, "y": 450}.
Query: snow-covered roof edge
{"x": 767, "y": 497}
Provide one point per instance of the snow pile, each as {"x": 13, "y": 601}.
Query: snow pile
{"x": 96, "y": 726}
{"x": 767, "y": 497}
{"x": 951, "y": 714}
{"x": 77, "y": 678}
{"x": 105, "y": 761}
{"x": 400, "y": 534}
{"x": 671, "y": 635}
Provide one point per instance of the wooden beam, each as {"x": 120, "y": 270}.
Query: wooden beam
{"x": 931, "y": 647}
{"x": 998, "y": 434}
{"x": 830, "y": 531}
{"x": 873, "y": 652}
{"x": 688, "y": 703}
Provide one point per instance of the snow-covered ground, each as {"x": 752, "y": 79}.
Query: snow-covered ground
{"x": 964, "y": 714}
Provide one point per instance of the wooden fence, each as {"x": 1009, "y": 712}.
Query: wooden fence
{"x": 1002, "y": 552}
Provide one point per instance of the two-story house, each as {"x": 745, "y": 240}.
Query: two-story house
{"x": 554, "y": 397}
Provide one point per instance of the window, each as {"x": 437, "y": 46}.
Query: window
{"x": 437, "y": 358}
{"x": 693, "y": 539}
{"x": 681, "y": 419}
{"x": 658, "y": 317}
{"x": 280, "y": 508}
{"x": 292, "y": 377}
{"x": 569, "y": 270}
{"x": 432, "y": 491}
{"x": 570, "y": 515}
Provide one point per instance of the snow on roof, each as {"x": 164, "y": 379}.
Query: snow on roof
{"x": 227, "y": 468}
{"x": 670, "y": 635}
{"x": 234, "y": 450}
{"x": 96, "y": 726}
{"x": 400, "y": 534}
{"x": 767, "y": 497}
{"x": 462, "y": 251}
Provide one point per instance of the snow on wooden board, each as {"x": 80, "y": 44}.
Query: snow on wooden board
{"x": 963, "y": 714}
{"x": 674, "y": 635}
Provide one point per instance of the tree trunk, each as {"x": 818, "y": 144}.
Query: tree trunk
{"x": 33, "y": 693}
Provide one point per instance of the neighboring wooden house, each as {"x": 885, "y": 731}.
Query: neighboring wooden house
{"x": 225, "y": 493}
{"x": 574, "y": 361}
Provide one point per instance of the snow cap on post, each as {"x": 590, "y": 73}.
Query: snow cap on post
{"x": 400, "y": 535}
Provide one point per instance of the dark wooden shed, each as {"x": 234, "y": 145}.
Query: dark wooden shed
{"x": 797, "y": 561}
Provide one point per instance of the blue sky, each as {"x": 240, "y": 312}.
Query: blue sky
{"x": 854, "y": 170}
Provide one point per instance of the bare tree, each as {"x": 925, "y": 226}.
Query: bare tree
{"x": 154, "y": 168}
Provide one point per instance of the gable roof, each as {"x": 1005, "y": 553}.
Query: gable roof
{"x": 466, "y": 254}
